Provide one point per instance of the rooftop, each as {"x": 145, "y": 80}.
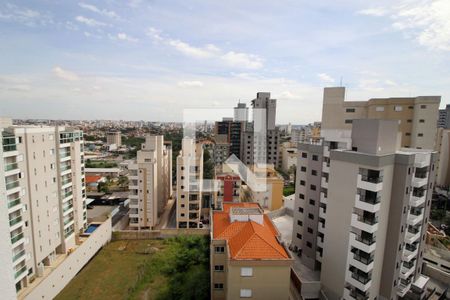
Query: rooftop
{"x": 248, "y": 239}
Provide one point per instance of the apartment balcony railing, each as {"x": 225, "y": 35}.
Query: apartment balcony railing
{"x": 11, "y": 185}
{"x": 11, "y": 166}
{"x": 16, "y": 238}
{"x": 65, "y": 168}
{"x": 13, "y": 203}
{"x": 20, "y": 271}
{"x": 68, "y": 220}
{"x": 67, "y": 194}
{"x": 410, "y": 247}
{"x": 18, "y": 255}
{"x": 370, "y": 199}
{"x": 364, "y": 279}
{"x": 420, "y": 175}
{"x": 372, "y": 179}
{"x": 413, "y": 230}
{"x": 367, "y": 220}
{"x": 66, "y": 181}
{"x": 418, "y": 193}
{"x": 9, "y": 144}
{"x": 66, "y": 208}
{"x": 194, "y": 207}
{"x": 64, "y": 154}
{"x": 358, "y": 295}
{"x": 363, "y": 259}
{"x": 367, "y": 241}
{"x": 409, "y": 265}
{"x": 15, "y": 220}
{"x": 416, "y": 212}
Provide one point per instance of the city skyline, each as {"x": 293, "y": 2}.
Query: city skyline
{"x": 148, "y": 60}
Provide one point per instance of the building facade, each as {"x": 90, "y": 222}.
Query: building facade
{"x": 150, "y": 182}
{"x": 189, "y": 184}
{"x": 45, "y": 198}
{"x": 114, "y": 138}
{"x": 229, "y": 189}
{"x": 247, "y": 258}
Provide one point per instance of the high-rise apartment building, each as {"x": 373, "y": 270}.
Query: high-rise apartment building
{"x": 114, "y": 138}
{"x": 417, "y": 116}
{"x": 230, "y": 132}
{"x": 189, "y": 184}
{"x": 150, "y": 182}
{"x": 377, "y": 212}
{"x": 261, "y": 139}
{"x": 229, "y": 189}
{"x": 444, "y": 117}
{"x": 247, "y": 258}
{"x": 42, "y": 171}
{"x": 241, "y": 112}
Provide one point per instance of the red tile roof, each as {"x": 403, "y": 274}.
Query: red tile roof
{"x": 93, "y": 178}
{"x": 247, "y": 240}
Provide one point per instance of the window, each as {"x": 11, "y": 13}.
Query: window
{"x": 314, "y": 172}
{"x": 302, "y": 182}
{"x": 299, "y": 223}
{"x": 379, "y": 108}
{"x": 310, "y": 230}
{"x": 303, "y": 169}
{"x": 421, "y": 121}
{"x": 300, "y": 209}
{"x": 246, "y": 293}
{"x": 423, "y": 106}
{"x": 408, "y": 134}
{"x": 218, "y": 268}
{"x": 301, "y": 196}
{"x": 411, "y": 107}
{"x": 350, "y": 110}
{"x": 313, "y": 187}
{"x": 409, "y": 121}
{"x": 304, "y": 155}
{"x": 219, "y": 249}
{"x": 246, "y": 272}
{"x": 218, "y": 286}
{"x": 309, "y": 244}
{"x": 311, "y": 216}
{"x": 315, "y": 157}
{"x": 398, "y": 108}
{"x": 299, "y": 236}
{"x": 312, "y": 202}
{"x": 348, "y": 121}
{"x": 420, "y": 134}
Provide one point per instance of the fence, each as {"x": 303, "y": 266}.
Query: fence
{"x": 153, "y": 234}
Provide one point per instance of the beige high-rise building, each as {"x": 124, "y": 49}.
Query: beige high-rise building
{"x": 247, "y": 258}
{"x": 114, "y": 138}
{"x": 189, "y": 184}
{"x": 150, "y": 182}
{"x": 417, "y": 116}
{"x": 44, "y": 192}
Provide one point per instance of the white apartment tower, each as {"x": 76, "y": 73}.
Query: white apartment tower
{"x": 114, "y": 138}
{"x": 44, "y": 190}
{"x": 150, "y": 182}
{"x": 189, "y": 184}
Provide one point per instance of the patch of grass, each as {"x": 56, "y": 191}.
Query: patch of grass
{"x": 289, "y": 190}
{"x": 176, "y": 268}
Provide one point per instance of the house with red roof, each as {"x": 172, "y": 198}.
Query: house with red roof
{"x": 247, "y": 257}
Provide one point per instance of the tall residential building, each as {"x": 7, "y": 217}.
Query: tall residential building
{"x": 417, "y": 116}
{"x": 241, "y": 112}
{"x": 230, "y": 132}
{"x": 189, "y": 184}
{"x": 150, "y": 182}
{"x": 376, "y": 217}
{"x": 444, "y": 117}
{"x": 261, "y": 139}
{"x": 247, "y": 258}
{"x": 229, "y": 188}
{"x": 114, "y": 138}
{"x": 44, "y": 190}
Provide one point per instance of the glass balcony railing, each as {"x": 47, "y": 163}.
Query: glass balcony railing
{"x": 367, "y": 241}
{"x": 410, "y": 247}
{"x": 365, "y": 260}
{"x": 370, "y": 199}
{"x": 413, "y": 230}
{"x": 67, "y": 194}
{"x": 11, "y": 185}
{"x": 66, "y": 208}
{"x": 9, "y": 144}
{"x": 372, "y": 179}
{"x": 361, "y": 278}
{"x": 18, "y": 255}
{"x": 358, "y": 295}
{"x": 15, "y": 220}
{"x": 416, "y": 212}
{"x": 20, "y": 271}
{"x": 14, "y": 202}
{"x": 67, "y": 221}
{"x": 368, "y": 220}
{"x": 421, "y": 175}
{"x": 65, "y": 168}
{"x": 418, "y": 193}
{"x": 16, "y": 238}
{"x": 11, "y": 166}
{"x": 66, "y": 181}
{"x": 64, "y": 154}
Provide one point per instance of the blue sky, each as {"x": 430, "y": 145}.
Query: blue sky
{"x": 151, "y": 59}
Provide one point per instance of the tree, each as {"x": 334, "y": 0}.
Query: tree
{"x": 208, "y": 166}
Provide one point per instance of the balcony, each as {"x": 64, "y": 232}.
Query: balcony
{"x": 11, "y": 166}
{"x": 409, "y": 253}
{"x": 406, "y": 272}
{"x": 367, "y": 245}
{"x": 369, "y": 204}
{"x": 403, "y": 287}
{"x": 15, "y": 220}
{"x": 417, "y": 201}
{"x": 322, "y": 213}
{"x": 67, "y": 208}
{"x": 194, "y": 207}
{"x": 414, "y": 217}
{"x": 374, "y": 184}
{"x": 324, "y": 182}
{"x": 325, "y": 167}
{"x": 9, "y": 144}
{"x": 364, "y": 263}
{"x": 66, "y": 181}
{"x": 412, "y": 235}
{"x": 20, "y": 254}
{"x": 320, "y": 242}
{"x": 419, "y": 182}
{"x": 20, "y": 271}
{"x": 14, "y": 202}
{"x": 358, "y": 280}
{"x": 321, "y": 226}
{"x": 12, "y": 185}
{"x": 66, "y": 194}
{"x": 323, "y": 198}
{"x": 368, "y": 224}
{"x": 350, "y": 294}
{"x": 16, "y": 238}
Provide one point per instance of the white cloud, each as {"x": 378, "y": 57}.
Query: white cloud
{"x": 325, "y": 78}
{"x": 103, "y": 12}
{"x": 390, "y": 82}
{"x": 29, "y": 17}
{"x": 248, "y": 61}
{"x": 187, "y": 84}
{"x": 288, "y": 95}
{"x": 65, "y": 74}
{"x": 427, "y": 21}
{"x": 90, "y": 22}
{"x": 209, "y": 51}
{"x": 124, "y": 37}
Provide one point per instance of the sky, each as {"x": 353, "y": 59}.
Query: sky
{"x": 150, "y": 60}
